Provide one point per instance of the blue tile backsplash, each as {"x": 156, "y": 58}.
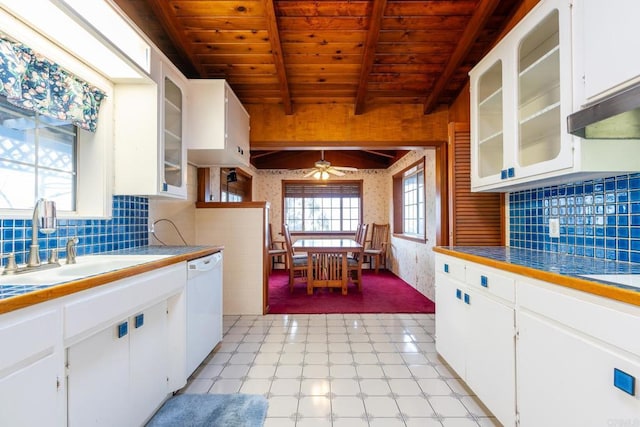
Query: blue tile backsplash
{"x": 598, "y": 218}
{"x": 128, "y": 228}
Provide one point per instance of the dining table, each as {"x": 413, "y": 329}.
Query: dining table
{"x": 327, "y": 264}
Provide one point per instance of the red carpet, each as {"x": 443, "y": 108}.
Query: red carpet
{"x": 382, "y": 293}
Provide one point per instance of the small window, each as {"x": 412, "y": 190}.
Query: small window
{"x": 322, "y": 207}
{"x": 409, "y": 202}
{"x": 235, "y": 185}
{"x": 37, "y": 159}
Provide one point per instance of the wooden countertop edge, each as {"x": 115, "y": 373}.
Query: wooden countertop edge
{"x": 608, "y": 291}
{"x": 68, "y": 288}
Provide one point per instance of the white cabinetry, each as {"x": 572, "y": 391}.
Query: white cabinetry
{"x": 123, "y": 344}
{"x": 521, "y": 95}
{"x": 31, "y": 369}
{"x": 576, "y": 354}
{"x": 218, "y": 125}
{"x": 605, "y": 35}
{"x": 475, "y": 330}
{"x": 118, "y": 358}
{"x": 118, "y": 376}
{"x": 150, "y": 149}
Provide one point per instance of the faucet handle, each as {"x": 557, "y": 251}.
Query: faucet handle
{"x": 11, "y": 266}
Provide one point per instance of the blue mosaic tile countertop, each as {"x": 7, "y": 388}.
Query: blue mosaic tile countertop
{"x": 562, "y": 269}
{"x": 21, "y": 293}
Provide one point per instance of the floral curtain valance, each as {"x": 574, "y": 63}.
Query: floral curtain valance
{"x": 32, "y": 82}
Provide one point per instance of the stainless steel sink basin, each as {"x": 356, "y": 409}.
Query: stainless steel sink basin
{"x": 632, "y": 280}
{"x": 86, "y": 266}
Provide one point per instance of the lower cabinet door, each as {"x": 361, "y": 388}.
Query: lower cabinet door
{"x": 29, "y": 396}
{"x": 149, "y": 362}
{"x": 567, "y": 379}
{"x": 98, "y": 379}
{"x": 491, "y": 360}
{"x": 451, "y": 323}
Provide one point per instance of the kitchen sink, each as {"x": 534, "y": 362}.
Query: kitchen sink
{"x": 632, "y": 280}
{"x": 85, "y": 266}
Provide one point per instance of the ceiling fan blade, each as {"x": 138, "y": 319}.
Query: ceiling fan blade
{"x": 311, "y": 172}
{"x": 334, "y": 171}
{"x": 345, "y": 168}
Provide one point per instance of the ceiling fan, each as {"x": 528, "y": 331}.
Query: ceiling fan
{"x": 323, "y": 169}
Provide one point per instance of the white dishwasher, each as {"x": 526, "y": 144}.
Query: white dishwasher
{"x": 204, "y": 308}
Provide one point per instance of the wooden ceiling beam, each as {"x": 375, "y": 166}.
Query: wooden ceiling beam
{"x": 177, "y": 34}
{"x": 482, "y": 13}
{"x": 368, "y": 56}
{"x": 278, "y": 57}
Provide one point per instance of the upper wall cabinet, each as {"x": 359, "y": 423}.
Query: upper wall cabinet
{"x": 606, "y": 35}
{"x": 521, "y": 95}
{"x": 150, "y": 142}
{"x": 218, "y": 125}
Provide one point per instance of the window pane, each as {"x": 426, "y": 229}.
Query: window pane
{"x": 56, "y": 148}
{"x": 37, "y": 159}
{"x": 17, "y": 186}
{"x": 57, "y": 186}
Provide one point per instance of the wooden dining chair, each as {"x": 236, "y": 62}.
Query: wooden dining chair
{"x": 277, "y": 250}
{"x": 377, "y": 248}
{"x": 297, "y": 264}
{"x": 354, "y": 262}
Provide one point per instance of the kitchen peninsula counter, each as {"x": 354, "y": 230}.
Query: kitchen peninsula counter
{"x": 17, "y": 296}
{"x": 559, "y": 269}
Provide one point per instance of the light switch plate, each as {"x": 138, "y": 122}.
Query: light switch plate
{"x": 554, "y": 227}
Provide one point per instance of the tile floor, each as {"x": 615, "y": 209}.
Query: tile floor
{"x": 339, "y": 370}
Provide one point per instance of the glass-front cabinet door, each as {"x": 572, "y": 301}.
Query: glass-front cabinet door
{"x": 172, "y": 151}
{"x": 172, "y": 135}
{"x": 488, "y": 121}
{"x": 543, "y": 143}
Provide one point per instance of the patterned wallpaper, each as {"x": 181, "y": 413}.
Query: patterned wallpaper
{"x": 412, "y": 261}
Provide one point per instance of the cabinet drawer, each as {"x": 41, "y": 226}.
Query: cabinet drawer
{"x": 492, "y": 281}
{"x": 101, "y": 307}
{"x": 610, "y": 321}
{"x": 42, "y": 330}
{"x": 450, "y": 267}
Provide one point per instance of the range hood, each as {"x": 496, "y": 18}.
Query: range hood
{"x": 615, "y": 117}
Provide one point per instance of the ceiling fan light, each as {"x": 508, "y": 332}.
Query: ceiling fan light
{"x": 324, "y": 175}
{"x": 316, "y": 175}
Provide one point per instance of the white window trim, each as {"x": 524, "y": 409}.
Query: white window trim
{"x": 94, "y": 192}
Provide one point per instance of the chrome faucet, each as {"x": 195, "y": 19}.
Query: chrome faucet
{"x": 44, "y": 220}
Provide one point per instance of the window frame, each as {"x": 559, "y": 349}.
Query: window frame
{"x": 398, "y": 180}
{"x": 360, "y": 185}
{"x": 94, "y": 151}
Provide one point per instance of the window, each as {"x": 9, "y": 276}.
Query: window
{"x": 235, "y": 185}
{"x": 322, "y": 207}
{"x": 37, "y": 159}
{"x": 409, "y": 202}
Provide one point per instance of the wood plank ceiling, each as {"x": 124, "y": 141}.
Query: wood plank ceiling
{"x": 359, "y": 52}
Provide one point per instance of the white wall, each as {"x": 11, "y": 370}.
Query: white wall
{"x": 181, "y": 212}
